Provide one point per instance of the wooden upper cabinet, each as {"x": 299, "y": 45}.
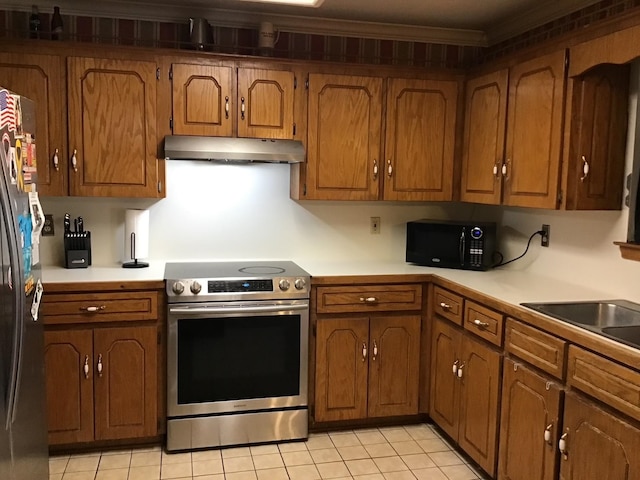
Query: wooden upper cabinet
{"x": 484, "y": 133}
{"x": 202, "y": 97}
{"x": 420, "y": 139}
{"x": 69, "y": 388}
{"x": 344, "y": 137}
{"x": 394, "y": 344}
{"x": 126, "y": 382}
{"x": 41, "y": 79}
{"x": 112, "y": 128}
{"x": 265, "y": 103}
{"x": 341, "y": 369}
{"x": 598, "y": 135}
{"x": 534, "y": 132}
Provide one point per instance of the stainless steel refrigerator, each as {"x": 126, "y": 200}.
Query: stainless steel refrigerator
{"x": 23, "y": 422}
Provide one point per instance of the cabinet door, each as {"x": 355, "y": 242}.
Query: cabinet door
{"x": 202, "y": 100}
{"x": 394, "y": 365}
{"x": 69, "y": 388}
{"x": 420, "y": 139}
{"x": 344, "y": 137}
{"x": 40, "y": 78}
{"x": 445, "y": 348}
{"x": 342, "y": 351}
{"x": 525, "y": 452}
{"x": 598, "y": 444}
{"x": 479, "y": 394}
{"x": 534, "y": 132}
{"x": 125, "y": 365}
{"x": 112, "y": 128}
{"x": 598, "y": 138}
{"x": 484, "y": 130}
{"x": 265, "y": 103}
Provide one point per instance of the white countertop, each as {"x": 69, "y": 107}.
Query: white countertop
{"x": 511, "y": 286}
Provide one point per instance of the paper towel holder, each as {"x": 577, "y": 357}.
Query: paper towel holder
{"x": 136, "y": 237}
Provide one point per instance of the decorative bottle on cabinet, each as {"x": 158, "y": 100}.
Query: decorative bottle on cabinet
{"x": 56, "y": 24}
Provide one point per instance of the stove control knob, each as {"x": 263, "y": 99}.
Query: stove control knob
{"x": 300, "y": 283}
{"x": 284, "y": 284}
{"x": 195, "y": 288}
{"x": 178, "y": 288}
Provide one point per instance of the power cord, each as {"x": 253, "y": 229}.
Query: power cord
{"x": 502, "y": 263}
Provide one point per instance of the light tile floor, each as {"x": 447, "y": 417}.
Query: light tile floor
{"x": 413, "y": 452}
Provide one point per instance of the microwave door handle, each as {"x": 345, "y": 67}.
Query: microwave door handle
{"x": 462, "y": 245}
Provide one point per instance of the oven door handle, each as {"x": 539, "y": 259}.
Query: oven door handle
{"x": 238, "y": 309}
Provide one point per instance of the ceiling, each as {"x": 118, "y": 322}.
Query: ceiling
{"x": 464, "y": 22}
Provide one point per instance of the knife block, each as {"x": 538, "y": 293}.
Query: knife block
{"x": 77, "y": 250}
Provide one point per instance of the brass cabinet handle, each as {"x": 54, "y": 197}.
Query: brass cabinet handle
{"x": 364, "y": 351}
{"x": 389, "y": 168}
{"x": 56, "y": 160}
{"x": 74, "y": 160}
{"x": 460, "y": 370}
{"x": 226, "y": 107}
{"x": 480, "y": 324}
{"x": 455, "y": 367}
{"x": 562, "y": 446}
{"x": 548, "y": 434}
{"x": 495, "y": 170}
{"x": 242, "y": 108}
{"x": 445, "y": 306}
{"x": 375, "y": 169}
{"x": 85, "y": 367}
{"x": 93, "y": 308}
{"x": 99, "y": 365}
{"x": 368, "y": 299}
{"x": 585, "y": 169}
{"x": 375, "y": 350}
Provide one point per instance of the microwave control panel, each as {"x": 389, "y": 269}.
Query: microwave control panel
{"x": 476, "y": 247}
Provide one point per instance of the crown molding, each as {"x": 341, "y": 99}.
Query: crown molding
{"x": 243, "y": 19}
{"x": 544, "y": 12}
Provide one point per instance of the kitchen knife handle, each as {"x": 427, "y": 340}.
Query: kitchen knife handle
{"x": 242, "y": 108}
{"x": 56, "y": 160}
{"x": 226, "y": 107}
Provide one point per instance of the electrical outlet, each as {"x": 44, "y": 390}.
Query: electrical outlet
{"x": 544, "y": 241}
{"x": 47, "y": 230}
{"x": 375, "y": 225}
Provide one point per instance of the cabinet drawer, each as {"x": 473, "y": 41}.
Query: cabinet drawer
{"x": 615, "y": 385}
{"x": 447, "y": 304}
{"x": 99, "y": 307}
{"x": 374, "y": 298}
{"x": 538, "y": 348}
{"x": 485, "y": 323}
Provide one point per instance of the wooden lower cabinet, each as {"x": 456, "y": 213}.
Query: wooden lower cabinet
{"x": 465, "y": 391}
{"x": 598, "y": 444}
{"x": 101, "y": 383}
{"x": 367, "y": 367}
{"x": 529, "y": 424}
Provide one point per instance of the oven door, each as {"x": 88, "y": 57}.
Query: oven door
{"x": 237, "y": 356}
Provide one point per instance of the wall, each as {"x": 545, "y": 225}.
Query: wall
{"x": 219, "y": 211}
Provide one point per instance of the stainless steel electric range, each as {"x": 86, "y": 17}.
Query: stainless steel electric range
{"x": 237, "y": 353}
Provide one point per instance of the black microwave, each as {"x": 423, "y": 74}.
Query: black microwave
{"x": 451, "y": 244}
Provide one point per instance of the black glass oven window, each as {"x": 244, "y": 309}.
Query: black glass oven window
{"x": 236, "y": 358}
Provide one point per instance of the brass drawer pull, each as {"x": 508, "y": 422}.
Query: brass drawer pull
{"x": 445, "y": 306}
{"x": 368, "y": 299}
{"x": 93, "y": 308}
{"x": 480, "y": 324}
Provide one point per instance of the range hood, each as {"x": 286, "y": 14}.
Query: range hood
{"x": 183, "y": 147}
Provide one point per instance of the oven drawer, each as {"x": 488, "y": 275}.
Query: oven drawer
{"x": 99, "y": 307}
{"x": 371, "y": 298}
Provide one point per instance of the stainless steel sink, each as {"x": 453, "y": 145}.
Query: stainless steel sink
{"x": 607, "y": 313}
{"x": 616, "y": 319}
